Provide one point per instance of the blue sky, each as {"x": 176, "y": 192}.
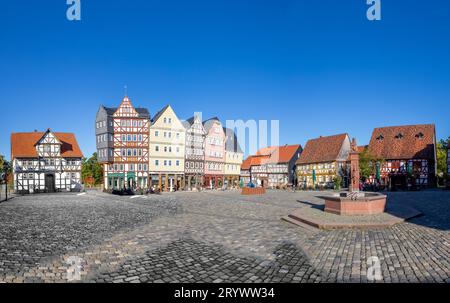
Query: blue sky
{"x": 320, "y": 67}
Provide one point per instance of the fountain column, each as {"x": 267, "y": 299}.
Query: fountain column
{"x": 354, "y": 167}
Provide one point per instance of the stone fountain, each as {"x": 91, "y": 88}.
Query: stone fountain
{"x": 351, "y": 209}
{"x": 355, "y": 202}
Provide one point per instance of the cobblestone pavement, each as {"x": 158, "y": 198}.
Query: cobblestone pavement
{"x": 213, "y": 237}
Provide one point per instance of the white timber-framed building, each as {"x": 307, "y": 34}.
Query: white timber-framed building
{"x": 45, "y": 162}
{"x": 195, "y": 152}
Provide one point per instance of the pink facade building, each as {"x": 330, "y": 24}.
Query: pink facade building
{"x": 214, "y": 153}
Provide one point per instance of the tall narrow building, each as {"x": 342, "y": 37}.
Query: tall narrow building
{"x": 195, "y": 152}
{"x": 233, "y": 159}
{"x": 214, "y": 153}
{"x": 122, "y": 136}
{"x": 167, "y": 151}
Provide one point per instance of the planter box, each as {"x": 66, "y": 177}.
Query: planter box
{"x": 247, "y": 191}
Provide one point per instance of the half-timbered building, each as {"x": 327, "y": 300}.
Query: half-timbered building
{"x": 272, "y": 167}
{"x": 245, "y": 175}
{"x": 167, "y": 150}
{"x": 233, "y": 159}
{"x": 45, "y": 162}
{"x": 408, "y": 154}
{"x": 281, "y": 165}
{"x": 214, "y": 153}
{"x": 123, "y": 145}
{"x": 323, "y": 160}
{"x": 195, "y": 152}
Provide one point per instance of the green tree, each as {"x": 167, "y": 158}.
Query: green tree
{"x": 441, "y": 151}
{"x": 2, "y": 166}
{"x": 92, "y": 168}
{"x": 367, "y": 164}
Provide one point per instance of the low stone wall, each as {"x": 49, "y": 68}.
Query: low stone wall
{"x": 247, "y": 191}
{"x": 370, "y": 206}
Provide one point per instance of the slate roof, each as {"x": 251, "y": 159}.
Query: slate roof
{"x": 404, "y": 142}
{"x": 207, "y": 124}
{"x": 143, "y": 112}
{"x": 188, "y": 123}
{"x": 231, "y": 143}
{"x": 158, "y": 114}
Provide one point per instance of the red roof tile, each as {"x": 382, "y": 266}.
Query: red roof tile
{"x": 284, "y": 154}
{"x": 362, "y": 148}
{"x": 271, "y": 155}
{"x": 323, "y": 149}
{"x": 247, "y": 163}
{"x": 404, "y": 142}
{"x": 23, "y": 145}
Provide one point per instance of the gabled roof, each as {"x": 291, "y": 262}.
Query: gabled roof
{"x": 362, "y": 148}
{"x": 322, "y": 149}
{"x": 23, "y": 145}
{"x": 231, "y": 142}
{"x": 186, "y": 124}
{"x": 272, "y": 155}
{"x": 143, "y": 112}
{"x": 189, "y": 122}
{"x": 284, "y": 154}
{"x": 254, "y": 160}
{"x": 159, "y": 114}
{"x": 404, "y": 142}
{"x": 44, "y": 135}
{"x": 246, "y": 164}
{"x": 207, "y": 124}
{"x": 266, "y": 151}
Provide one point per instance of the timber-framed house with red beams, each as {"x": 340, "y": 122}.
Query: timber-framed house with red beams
{"x": 408, "y": 154}
{"x": 123, "y": 145}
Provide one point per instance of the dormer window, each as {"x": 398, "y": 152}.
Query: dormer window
{"x": 380, "y": 138}
{"x": 399, "y": 136}
{"x": 420, "y": 136}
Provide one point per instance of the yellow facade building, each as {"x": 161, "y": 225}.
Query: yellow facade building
{"x": 167, "y": 151}
{"x": 323, "y": 160}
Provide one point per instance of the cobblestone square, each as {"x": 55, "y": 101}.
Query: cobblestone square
{"x": 213, "y": 237}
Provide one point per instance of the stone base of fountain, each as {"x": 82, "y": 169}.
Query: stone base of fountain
{"x": 355, "y": 203}
{"x": 251, "y": 191}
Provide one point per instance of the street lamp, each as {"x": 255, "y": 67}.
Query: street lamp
{"x": 4, "y": 177}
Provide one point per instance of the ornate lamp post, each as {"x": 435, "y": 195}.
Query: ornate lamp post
{"x": 4, "y": 177}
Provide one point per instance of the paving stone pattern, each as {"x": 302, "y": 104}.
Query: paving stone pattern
{"x": 214, "y": 237}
